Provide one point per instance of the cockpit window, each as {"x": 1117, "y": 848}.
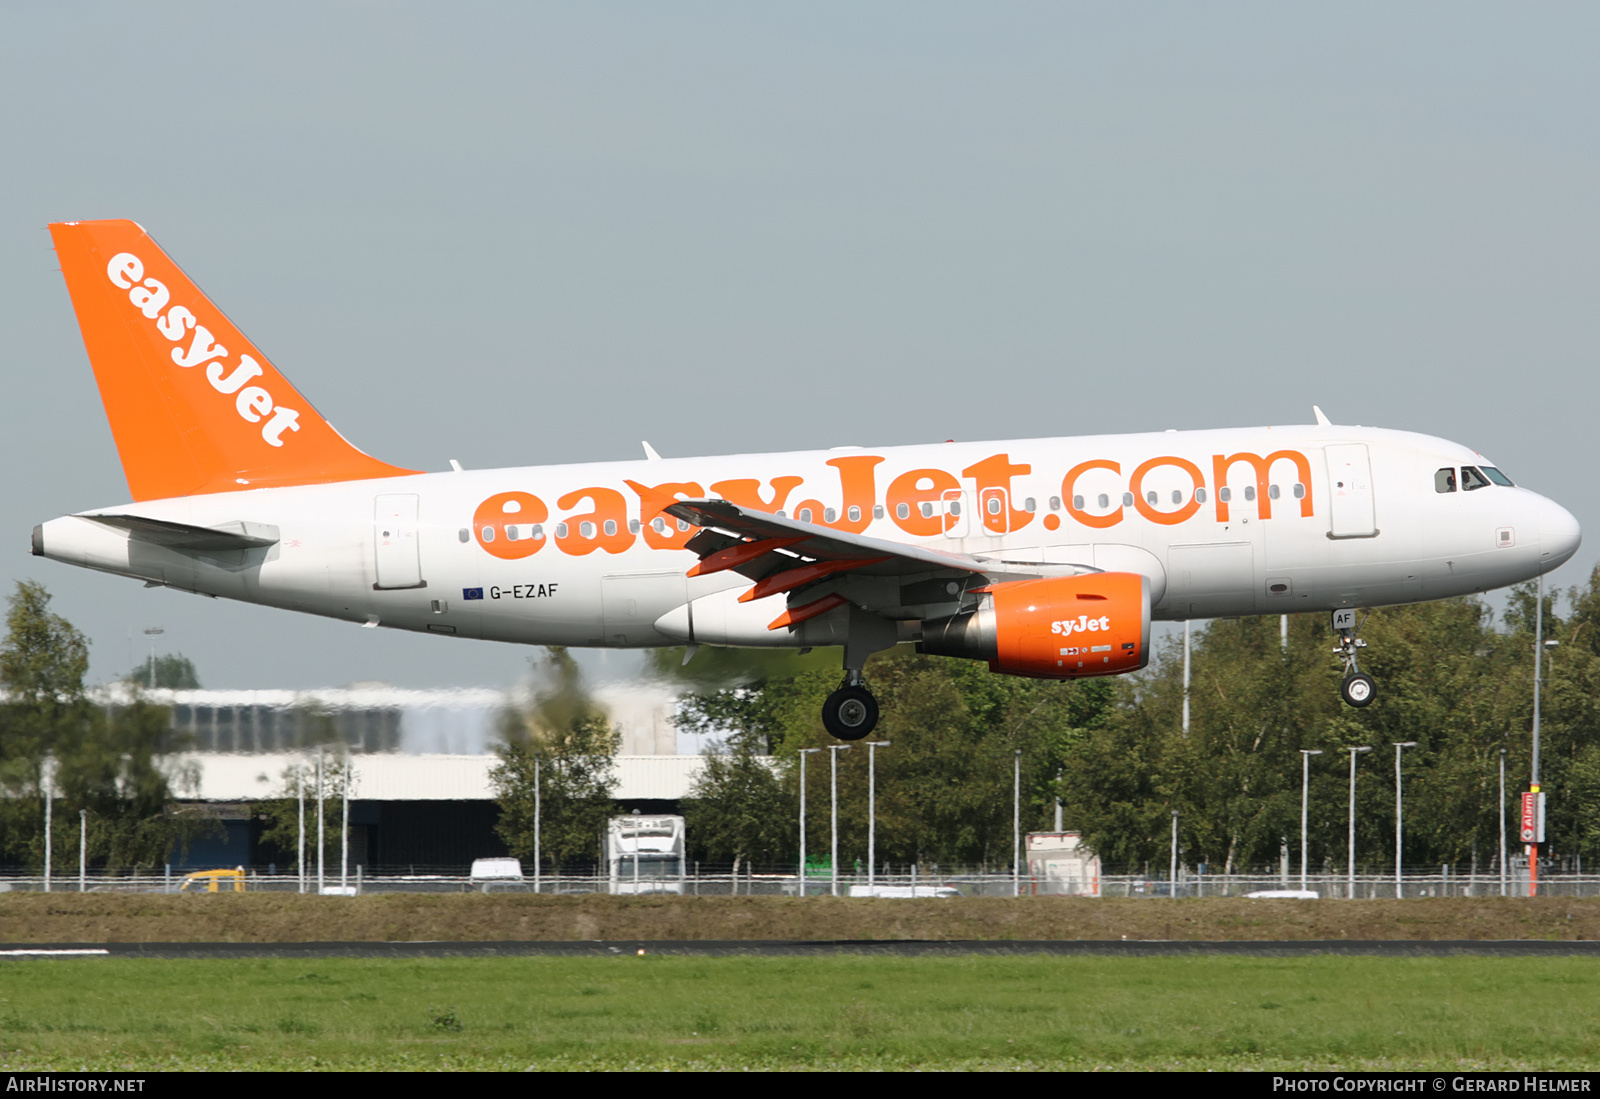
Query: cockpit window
{"x": 1444, "y": 480}
{"x": 1496, "y": 476}
{"x": 1471, "y": 479}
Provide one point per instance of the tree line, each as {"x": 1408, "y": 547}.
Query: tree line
{"x": 1114, "y": 751}
{"x": 1452, "y": 677}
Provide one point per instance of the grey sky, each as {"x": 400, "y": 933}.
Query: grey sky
{"x": 520, "y": 234}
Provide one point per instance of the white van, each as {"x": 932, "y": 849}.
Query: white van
{"x": 487, "y": 873}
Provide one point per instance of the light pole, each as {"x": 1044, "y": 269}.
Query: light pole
{"x": 872, "y": 813}
{"x": 344, "y": 827}
{"x": 1398, "y": 745}
{"x": 1185, "y": 681}
{"x": 538, "y": 813}
{"x": 1305, "y": 798}
{"x": 300, "y": 803}
{"x": 321, "y": 826}
{"x": 1501, "y": 843}
{"x": 1016, "y": 824}
{"x": 47, "y": 775}
{"x": 1172, "y": 875}
{"x": 804, "y": 752}
{"x": 1351, "y": 891}
{"x": 833, "y": 818}
{"x": 1538, "y": 682}
{"x": 153, "y": 632}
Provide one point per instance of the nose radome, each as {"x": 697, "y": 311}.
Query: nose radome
{"x": 1559, "y": 534}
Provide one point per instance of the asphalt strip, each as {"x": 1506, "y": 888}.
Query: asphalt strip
{"x": 1146, "y": 948}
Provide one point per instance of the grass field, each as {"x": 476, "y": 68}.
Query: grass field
{"x": 833, "y": 1012}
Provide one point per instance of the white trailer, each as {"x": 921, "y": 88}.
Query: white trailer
{"x": 1059, "y": 865}
{"x": 644, "y": 854}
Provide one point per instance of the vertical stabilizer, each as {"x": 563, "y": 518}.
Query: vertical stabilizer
{"x": 194, "y": 406}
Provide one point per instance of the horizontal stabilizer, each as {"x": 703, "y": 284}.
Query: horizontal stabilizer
{"x": 237, "y": 535}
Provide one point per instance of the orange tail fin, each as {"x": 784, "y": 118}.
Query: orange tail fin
{"x": 194, "y": 407}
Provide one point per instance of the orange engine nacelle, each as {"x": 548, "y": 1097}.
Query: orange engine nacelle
{"x": 1059, "y": 628}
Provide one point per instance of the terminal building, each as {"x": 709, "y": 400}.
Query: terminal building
{"x": 418, "y": 763}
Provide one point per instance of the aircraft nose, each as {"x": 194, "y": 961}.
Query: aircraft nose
{"x": 1559, "y": 535}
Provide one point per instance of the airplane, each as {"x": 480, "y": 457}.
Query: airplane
{"x": 1047, "y": 558}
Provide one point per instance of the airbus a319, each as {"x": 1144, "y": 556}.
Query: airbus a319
{"x": 1045, "y": 557}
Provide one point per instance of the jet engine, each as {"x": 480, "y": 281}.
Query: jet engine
{"x": 1057, "y": 628}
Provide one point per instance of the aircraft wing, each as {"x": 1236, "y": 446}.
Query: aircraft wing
{"x": 784, "y": 555}
{"x": 792, "y": 538}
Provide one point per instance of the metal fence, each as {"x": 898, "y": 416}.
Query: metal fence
{"x": 721, "y": 881}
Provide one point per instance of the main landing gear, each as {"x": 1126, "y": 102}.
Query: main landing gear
{"x": 1358, "y": 688}
{"x": 850, "y": 712}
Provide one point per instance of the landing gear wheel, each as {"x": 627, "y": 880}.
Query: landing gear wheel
{"x": 850, "y": 713}
{"x": 1358, "y": 689}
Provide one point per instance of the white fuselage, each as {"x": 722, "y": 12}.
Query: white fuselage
{"x": 1312, "y": 518}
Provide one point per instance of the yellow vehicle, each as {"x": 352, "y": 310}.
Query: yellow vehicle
{"x": 213, "y": 880}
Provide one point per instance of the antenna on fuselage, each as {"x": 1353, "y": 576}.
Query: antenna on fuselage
{"x": 1322, "y": 421}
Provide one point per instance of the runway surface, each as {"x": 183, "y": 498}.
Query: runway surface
{"x": 884, "y": 948}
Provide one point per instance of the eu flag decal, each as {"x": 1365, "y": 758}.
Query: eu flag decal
{"x": 472, "y": 593}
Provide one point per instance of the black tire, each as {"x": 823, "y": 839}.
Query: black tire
{"x": 850, "y": 713}
{"x": 1358, "y": 689}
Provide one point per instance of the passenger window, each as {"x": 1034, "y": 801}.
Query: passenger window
{"x": 1077, "y": 503}
{"x": 1150, "y": 497}
{"x": 1055, "y": 503}
{"x": 1105, "y": 501}
{"x": 1272, "y": 492}
{"x": 854, "y": 513}
{"x": 1200, "y": 495}
{"x": 829, "y": 515}
{"x": 1224, "y": 494}
{"x": 1177, "y": 496}
{"x": 1471, "y": 479}
{"x": 1444, "y": 480}
{"x": 877, "y": 511}
{"x": 1127, "y": 499}
{"x": 993, "y": 505}
{"x": 1299, "y": 491}
{"x": 1249, "y": 492}
{"x": 1030, "y": 505}
{"x": 902, "y": 511}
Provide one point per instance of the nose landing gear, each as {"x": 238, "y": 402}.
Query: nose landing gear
{"x": 1358, "y": 688}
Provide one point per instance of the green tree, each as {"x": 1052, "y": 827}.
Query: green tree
{"x": 560, "y": 746}
{"x": 171, "y": 670}
{"x": 112, "y": 764}
{"x": 741, "y": 808}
